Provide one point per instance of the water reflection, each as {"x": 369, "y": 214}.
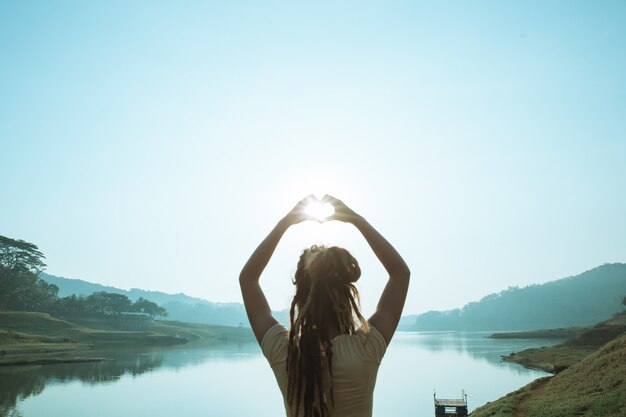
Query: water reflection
{"x": 476, "y": 345}
{"x": 212, "y": 379}
{"x": 20, "y": 382}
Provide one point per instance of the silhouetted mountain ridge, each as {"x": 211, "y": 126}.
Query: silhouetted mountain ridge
{"x": 180, "y": 306}
{"x": 580, "y": 300}
{"x": 69, "y": 286}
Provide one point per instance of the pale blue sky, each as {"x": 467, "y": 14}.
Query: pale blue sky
{"x": 154, "y": 144}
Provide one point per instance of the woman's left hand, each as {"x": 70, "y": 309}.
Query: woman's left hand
{"x": 298, "y": 213}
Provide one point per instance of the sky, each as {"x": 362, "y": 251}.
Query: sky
{"x": 154, "y": 144}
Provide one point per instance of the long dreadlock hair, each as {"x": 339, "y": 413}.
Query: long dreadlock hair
{"x": 325, "y": 298}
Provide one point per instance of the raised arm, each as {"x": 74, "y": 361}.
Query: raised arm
{"x": 257, "y": 307}
{"x": 391, "y": 302}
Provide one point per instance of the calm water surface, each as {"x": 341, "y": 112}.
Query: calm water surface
{"x": 235, "y": 380}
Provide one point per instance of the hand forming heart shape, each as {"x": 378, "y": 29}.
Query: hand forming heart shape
{"x": 319, "y": 210}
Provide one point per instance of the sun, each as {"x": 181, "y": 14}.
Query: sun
{"x": 319, "y": 211}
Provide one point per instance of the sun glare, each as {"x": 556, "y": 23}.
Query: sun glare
{"x": 320, "y": 211}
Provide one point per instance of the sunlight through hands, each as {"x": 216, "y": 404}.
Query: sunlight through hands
{"x": 319, "y": 211}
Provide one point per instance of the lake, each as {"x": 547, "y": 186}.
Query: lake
{"x": 235, "y": 380}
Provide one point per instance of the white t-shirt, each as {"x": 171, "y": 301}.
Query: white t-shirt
{"x": 355, "y": 362}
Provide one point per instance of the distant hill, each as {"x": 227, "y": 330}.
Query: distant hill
{"x": 78, "y": 287}
{"x": 180, "y": 306}
{"x": 581, "y": 300}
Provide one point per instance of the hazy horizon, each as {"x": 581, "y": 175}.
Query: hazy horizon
{"x": 154, "y": 145}
{"x": 286, "y": 308}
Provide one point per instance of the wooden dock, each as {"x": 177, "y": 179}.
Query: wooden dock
{"x": 451, "y": 407}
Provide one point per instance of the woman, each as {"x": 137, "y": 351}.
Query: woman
{"x": 325, "y": 365}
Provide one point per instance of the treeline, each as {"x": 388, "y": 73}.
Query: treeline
{"x": 21, "y": 289}
{"x": 105, "y": 303}
{"x": 179, "y": 306}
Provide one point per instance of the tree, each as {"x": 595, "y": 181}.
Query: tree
{"x": 20, "y": 255}
{"x": 20, "y": 287}
{"x": 71, "y": 305}
{"x": 107, "y": 303}
{"x": 145, "y": 306}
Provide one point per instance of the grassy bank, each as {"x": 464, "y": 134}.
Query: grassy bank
{"x": 176, "y": 329}
{"x": 27, "y": 338}
{"x": 17, "y": 348}
{"x": 590, "y": 370}
{"x": 592, "y": 387}
{"x": 561, "y": 333}
{"x": 557, "y": 358}
{"x": 549, "y": 359}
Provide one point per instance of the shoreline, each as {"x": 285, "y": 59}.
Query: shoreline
{"x": 28, "y": 338}
{"x": 560, "y": 333}
{"x": 26, "y": 361}
{"x": 555, "y": 359}
{"x": 552, "y": 359}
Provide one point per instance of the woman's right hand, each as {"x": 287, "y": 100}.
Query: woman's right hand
{"x": 342, "y": 213}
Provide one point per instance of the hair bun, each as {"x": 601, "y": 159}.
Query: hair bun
{"x": 354, "y": 273}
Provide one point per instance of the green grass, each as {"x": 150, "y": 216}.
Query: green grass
{"x": 509, "y": 405}
{"x": 189, "y": 331}
{"x": 41, "y": 324}
{"x": 554, "y": 359}
{"x": 27, "y": 336}
{"x": 594, "y": 386}
{"x": 561, "y": 333}
{"x": 195, "y": 331}
{"x": 549, "y": 359}
{"x": 12, "y": 343}
{"x": 25, "y": 348}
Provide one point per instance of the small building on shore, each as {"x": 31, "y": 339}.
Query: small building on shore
{"x": 134, "y": 321}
